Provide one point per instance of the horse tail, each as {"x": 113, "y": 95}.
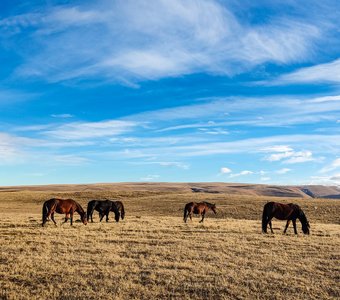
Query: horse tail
{"x": 185, "y": 214}
{"x": 44, "y": 213}
{"x": 265, "y": 218}
{"x": 122, "y": 211}
{"x": 90, "y": 209}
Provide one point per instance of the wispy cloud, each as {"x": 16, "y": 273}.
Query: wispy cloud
{"x": 335, "y": 164}
{"x": 283, "y": 171}
{"x": 85, "y": 130}
{"x": 274, "y": 111}
{"x": 291, "y": 157}
{"x": 242, "y": 173}
{"x": 322, "y": 73}
{"x": 152, "y": 177}
{"x": 62, "y": 116}
{"x": 166, "y": 38}
{"x": 175, "y": 164}
{"x": 326, "y": 180}
{"x": 225, "y": 170}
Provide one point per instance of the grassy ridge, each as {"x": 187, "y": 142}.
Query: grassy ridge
{"x": 153, "y": 254}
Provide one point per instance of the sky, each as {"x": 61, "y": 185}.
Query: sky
{"x": 169, "y": 91}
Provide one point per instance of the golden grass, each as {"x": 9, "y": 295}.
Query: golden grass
{"x": 153, "y": 254}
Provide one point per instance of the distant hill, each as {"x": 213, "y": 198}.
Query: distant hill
{"x": 307, "y": 191}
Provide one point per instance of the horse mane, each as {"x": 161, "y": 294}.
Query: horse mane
{"x": 303, "y": 217}
{"x": 79, "y": 207}
{"x": 208, "y": 204}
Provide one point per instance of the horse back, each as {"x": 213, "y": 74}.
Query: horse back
{"x": 281, "y": 211}
{"x": 64, "y": 206}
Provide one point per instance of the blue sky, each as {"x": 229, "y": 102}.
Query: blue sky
{"x": 183, "y": 91}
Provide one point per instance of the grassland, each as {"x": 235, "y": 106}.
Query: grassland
{"x": 152, "y": 254}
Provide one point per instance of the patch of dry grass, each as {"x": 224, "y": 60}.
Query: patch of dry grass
{"x": 153, "y": 254}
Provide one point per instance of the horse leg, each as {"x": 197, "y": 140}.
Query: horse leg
{"x": 294, "y": 226}
{"x": 270, "y": 225}
{"x": 203, "y": 214}
{"x": 185, "y": 217}
{"x": 101, "y": 215}
{"x": 288, "y": 222}
{"x": 46, "y": 218}
{"x": 90, "y": 216}
{"x": 67, "y": 216}
{"x": 52, "y": 218}
{"x": 71, "y": 217}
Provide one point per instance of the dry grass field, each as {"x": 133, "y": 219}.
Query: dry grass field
{"x": 152, "y": 254}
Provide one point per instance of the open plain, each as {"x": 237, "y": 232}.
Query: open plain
{"x": 153, "y": 254}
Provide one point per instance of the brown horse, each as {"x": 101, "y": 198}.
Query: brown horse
{"x": 289, "y": 212}
{"x": 198, "y": 209}
{"x": 62, "y": 206}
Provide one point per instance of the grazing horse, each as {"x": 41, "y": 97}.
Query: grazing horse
{"x": 198, "y": 209}
{"x": 62, "y": 206}
{"x": 103, "y": 207}
{"x": 121, "y": 209}
{"x": 289, "y": 212}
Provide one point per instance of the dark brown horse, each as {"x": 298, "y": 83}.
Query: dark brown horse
{"x": 197, "y": 209}
{"x": 62, "y": 206}
{"x": 104, "y": 207}
{"x": 121, "y": 209}
{"x": 289, "y": 212}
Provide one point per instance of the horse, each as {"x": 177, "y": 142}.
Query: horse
{"x": 198, "y": 209}
{"x": 120, "y": 207}
{"x": 62, "y": 206}
{"x": 103, "y": 207}
{"x": 289, "y": 212}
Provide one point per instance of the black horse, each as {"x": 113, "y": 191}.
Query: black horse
{"x": 103, "y": 207}
{"x": 121, "y": 209}
{"x": 289, "y": 212}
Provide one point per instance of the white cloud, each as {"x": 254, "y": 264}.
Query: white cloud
{"x": 290, "y": 156}
{"x": 334, "y": 165}
{"x": 283, "y": 171}
{"x": 242, "y": 173}
{"x": 165, "y": 38}
{"x": 333, "y": 180}
{"x": 300, "y": 157}
{"x": 84, "y": 130}
{"x": 328, "y": 72}
{"x": 278, "y": 148}
{"x": 214, "y": 131}
{"x": 62, "y": 116}
{"x": 280, "y": 156}
{"x": 70, "y": 159}
{"x": 176, "y": 164}
{"x": 225, "y": 170}
{"x": 150, "y": 178}
{"x": 325, "y": 99}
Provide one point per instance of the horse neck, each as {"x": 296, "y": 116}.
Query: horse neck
{"x": 79, "y": 209}
{"x": 302, "y": 217}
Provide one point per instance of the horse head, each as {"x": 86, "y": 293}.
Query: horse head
{"x": 213, "y": 208}
{"x": 304, "y": 222}
{"x": 83, "y": 217}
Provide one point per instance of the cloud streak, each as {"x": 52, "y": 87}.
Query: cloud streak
{"x": 166, "y": 39}
{"x": 321, "y": 73}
